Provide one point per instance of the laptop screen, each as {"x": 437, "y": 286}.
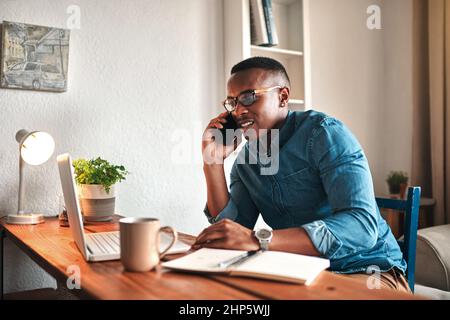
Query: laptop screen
{"x": 71, "y": 200}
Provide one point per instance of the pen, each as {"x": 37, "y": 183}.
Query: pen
{"x": 236, "y": 260}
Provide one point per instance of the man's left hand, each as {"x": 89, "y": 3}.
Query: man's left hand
{"x": 227, "y": 234}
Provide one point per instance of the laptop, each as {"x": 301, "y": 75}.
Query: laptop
{"x": 101, "y": 246}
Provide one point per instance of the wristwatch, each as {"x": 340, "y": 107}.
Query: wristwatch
{"x": 264, "y": 236}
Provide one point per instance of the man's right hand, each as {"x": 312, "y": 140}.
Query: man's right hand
{"x": 214, "y": 152}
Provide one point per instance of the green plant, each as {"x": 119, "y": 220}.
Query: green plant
{"x": 395, "y": 179}
{"x": 98, "y": 171}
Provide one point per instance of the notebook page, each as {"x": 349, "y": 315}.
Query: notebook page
{"x": 203, "y": 260}
{"x": 285, "y": 265}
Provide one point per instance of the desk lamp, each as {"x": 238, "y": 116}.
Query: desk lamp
{"x": 35, "y": 148}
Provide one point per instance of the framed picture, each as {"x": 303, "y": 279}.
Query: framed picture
{"x": 34, "y": 57}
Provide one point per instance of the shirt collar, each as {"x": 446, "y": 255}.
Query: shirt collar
{"x": 285, "y": 132}
{"x": 287, "y": 128}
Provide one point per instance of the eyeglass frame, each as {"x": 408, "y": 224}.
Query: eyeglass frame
{"x": 254, "y": 92}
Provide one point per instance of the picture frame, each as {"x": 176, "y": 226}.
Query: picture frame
{"x": 34, "y": 57}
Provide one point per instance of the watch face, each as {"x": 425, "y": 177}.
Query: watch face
{"x": 264, "y": 234}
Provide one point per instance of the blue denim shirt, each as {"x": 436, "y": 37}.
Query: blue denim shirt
{"x": 323, "y": 185}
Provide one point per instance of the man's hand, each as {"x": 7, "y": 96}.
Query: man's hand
{"x": 215, "y": 152}
{"x": 227, "y": 234}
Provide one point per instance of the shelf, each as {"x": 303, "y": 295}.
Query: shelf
{"x": 277, "y": 51}
{"x": 284, "y": 2}
{"x": 296, "y": 101}
{"x": 291, "y": 18}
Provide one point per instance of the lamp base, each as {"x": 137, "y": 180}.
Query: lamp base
{"x": 26, "y": 218}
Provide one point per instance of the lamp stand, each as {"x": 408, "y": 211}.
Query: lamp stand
{"x": 21, "y": 217}
{"x": 25, "y": 218}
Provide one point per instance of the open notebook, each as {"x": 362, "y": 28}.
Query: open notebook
{"x": 274, "y": 265}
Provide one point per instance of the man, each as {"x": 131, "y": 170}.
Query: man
{"x": 320, "y": 202}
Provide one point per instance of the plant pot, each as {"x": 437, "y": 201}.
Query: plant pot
{"x": 403, "y": 189}
{"x": 399, "y": 191}
{"x": 394, "y": 189}
{"x": 96, "y": 204}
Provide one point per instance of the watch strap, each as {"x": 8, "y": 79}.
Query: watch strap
{"x": 264, "y": 245}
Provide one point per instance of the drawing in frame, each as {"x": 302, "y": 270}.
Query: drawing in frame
{"x": 34, "y": 57}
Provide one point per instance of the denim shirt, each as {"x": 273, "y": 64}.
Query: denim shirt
{"x": 323, "y": 185}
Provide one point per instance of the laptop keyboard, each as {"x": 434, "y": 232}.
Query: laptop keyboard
{"x": 109, "y": 243}
{"x": 103, "y": 243}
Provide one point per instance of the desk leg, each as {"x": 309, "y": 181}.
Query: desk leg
{"x": 2, "y": 266}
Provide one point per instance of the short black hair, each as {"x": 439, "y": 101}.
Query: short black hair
{"x": 262, "y": 63}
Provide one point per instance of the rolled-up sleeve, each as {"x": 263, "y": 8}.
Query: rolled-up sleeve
{"x": 240, "y": 207}
{"x": 346, "y": 178}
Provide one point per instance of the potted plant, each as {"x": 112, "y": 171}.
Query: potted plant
{"x": 397, "y": 182}
{"x": 96, "y": 179}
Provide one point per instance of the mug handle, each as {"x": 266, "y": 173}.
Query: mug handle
{"x": 174, "y": 239}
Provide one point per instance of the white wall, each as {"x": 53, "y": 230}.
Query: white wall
{"x": 398, "y": 85}
{"x": 138, "y": 70}
{"x": 363, "y": 77}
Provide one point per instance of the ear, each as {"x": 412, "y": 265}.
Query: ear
{"x": 284, "y": 97}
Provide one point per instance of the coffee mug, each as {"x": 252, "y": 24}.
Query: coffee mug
{"x": 139, "y": 243}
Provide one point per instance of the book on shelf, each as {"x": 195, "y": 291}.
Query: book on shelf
{"x": 270, "y": 23}
{"x": 258, "y": 28}
{"x": 272, "y": 265}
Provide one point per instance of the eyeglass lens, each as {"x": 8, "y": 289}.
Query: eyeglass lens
{"x": 246, "y": 99}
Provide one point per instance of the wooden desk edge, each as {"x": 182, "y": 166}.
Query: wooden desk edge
{"x": 61, "y": 276}
{"x": 85, "y": 293}
{"x": 41, "y": 262}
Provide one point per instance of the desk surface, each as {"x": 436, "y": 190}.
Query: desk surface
{"x": 53, "y": 248}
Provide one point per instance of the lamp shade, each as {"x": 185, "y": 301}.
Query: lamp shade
{"x": 35, "y": 147}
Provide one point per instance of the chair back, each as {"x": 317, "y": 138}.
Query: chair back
{"x": 410, "y": 207}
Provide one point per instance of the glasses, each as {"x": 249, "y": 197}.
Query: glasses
{"x": 245, "y": 98}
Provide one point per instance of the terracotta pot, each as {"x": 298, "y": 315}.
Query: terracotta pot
{"x": 96, "y": 204}
{"x": 403, "y": 188}
{"x": 398, "y": 192}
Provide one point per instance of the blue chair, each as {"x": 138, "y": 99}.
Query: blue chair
{"x": 410, "y": 207}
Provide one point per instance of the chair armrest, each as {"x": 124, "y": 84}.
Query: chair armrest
{"x": 431, "y": 293}
{"x": 433, "y": 257}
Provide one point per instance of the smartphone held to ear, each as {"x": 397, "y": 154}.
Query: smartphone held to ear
{"x": 231, "y": 124}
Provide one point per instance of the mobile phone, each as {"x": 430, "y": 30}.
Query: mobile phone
{"x": 231, "y": 124}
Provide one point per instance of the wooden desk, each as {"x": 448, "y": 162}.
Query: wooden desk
{"x": 53, "y": 248}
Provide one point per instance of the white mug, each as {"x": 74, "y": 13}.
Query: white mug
{"x": 139, "y": 243}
